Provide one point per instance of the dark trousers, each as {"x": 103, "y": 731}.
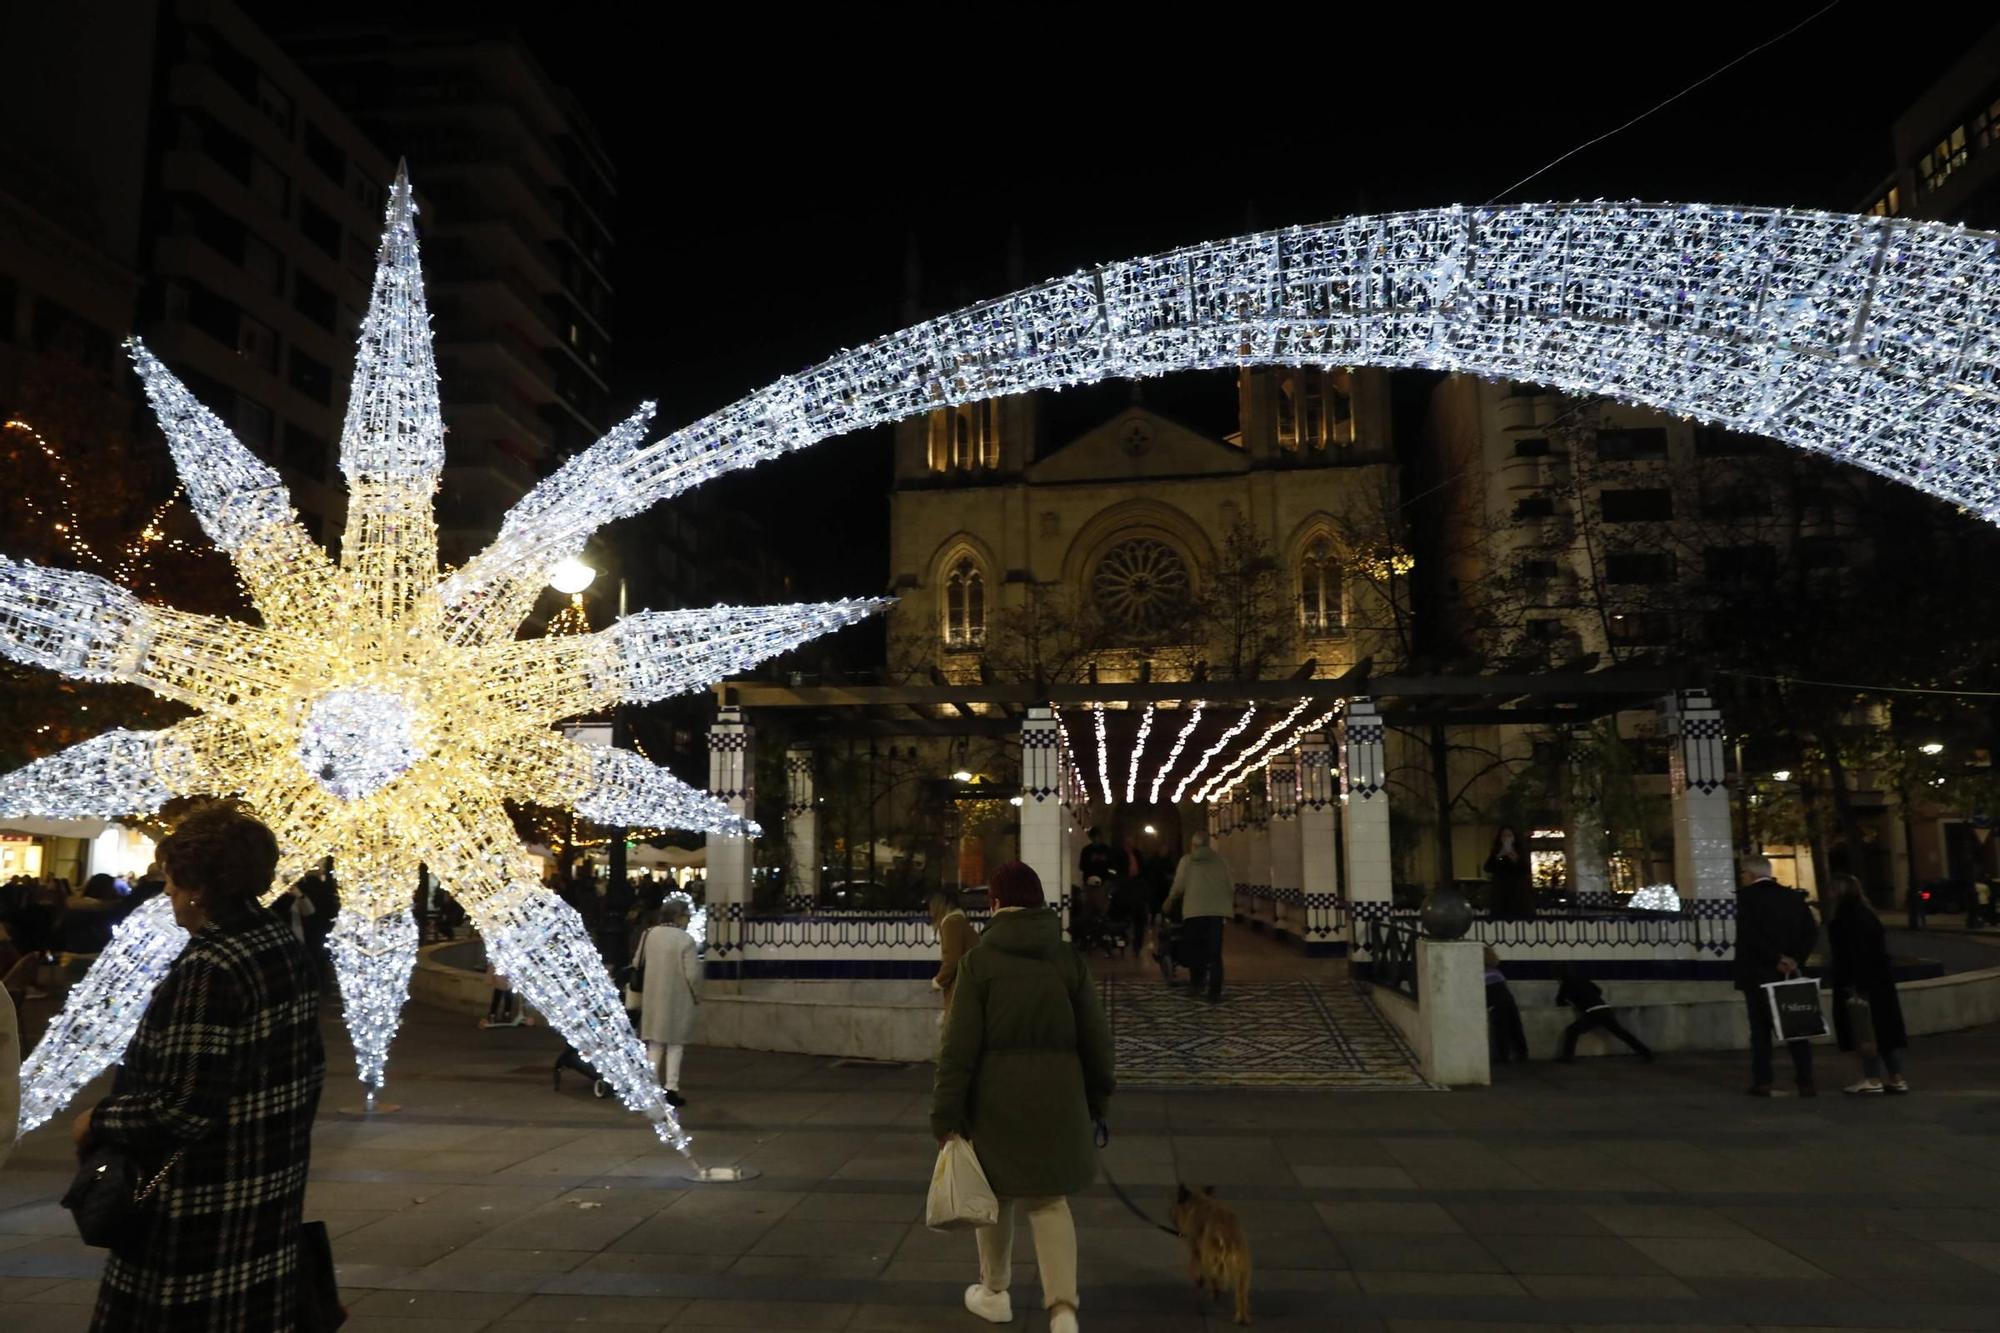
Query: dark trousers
{"x": 1140, "y": 919}
{"x": 1503, "y": 1022}
{"x": 1602, "y": 1020}
{"x": 1202, "y": 939}
{"x": 1759, "y": 1006}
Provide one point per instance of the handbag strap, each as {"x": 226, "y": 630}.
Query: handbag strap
{"x": 140, "y": 1194}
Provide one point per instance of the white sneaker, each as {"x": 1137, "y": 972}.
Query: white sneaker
{"x": 995, "y": 1307}
{"x": 1866, "y": 1087}
{"x": 1062, "y": 1321}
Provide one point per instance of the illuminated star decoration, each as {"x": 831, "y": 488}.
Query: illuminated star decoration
{"x": 379, "y": 714}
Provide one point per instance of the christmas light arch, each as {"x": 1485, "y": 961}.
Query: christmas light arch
{"x": 1872, "y": 340}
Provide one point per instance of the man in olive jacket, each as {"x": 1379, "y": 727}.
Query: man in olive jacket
{"x": 1024, "y": 1070}
{"x": 1775, "y": 931}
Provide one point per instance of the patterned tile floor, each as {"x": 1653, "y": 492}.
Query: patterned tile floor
{"x": 1262, "y": 1034}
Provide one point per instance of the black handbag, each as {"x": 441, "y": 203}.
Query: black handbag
{"x": 635, "y": 980}
{"x": 319, "y": 1307}
{"x": 107, "y": 1199}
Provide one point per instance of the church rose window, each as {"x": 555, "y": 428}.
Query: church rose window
{"x": 1141, "y": 584}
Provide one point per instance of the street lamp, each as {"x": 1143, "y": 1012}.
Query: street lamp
{"x": 1782, "y": 775}
{"x": 571, "y": 576}
{"x": 1931, "y": 747}
{"x": 961, "y": 776}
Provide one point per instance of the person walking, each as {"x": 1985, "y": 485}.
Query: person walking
{"x": 955, "y": 938}
{"x": 1503, "y": 1015}
{"x": 1205, "y": 892}
{"x": 1593, "y": 1014}
{"x": 1867, "y": 1014}
{"x": 1775, "y": 932}
{"x": 669, "y": 994}
{"x": 1510, "y": 891}
{"x": 216, "y": 1096}
{"x": 1024, "y": 1071}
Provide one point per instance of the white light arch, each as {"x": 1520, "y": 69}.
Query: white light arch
{"x": 1872, "y": 340}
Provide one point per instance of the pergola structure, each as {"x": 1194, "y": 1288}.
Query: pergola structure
{"x": 1289, "y": 775}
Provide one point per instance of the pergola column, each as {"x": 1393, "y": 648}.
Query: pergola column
{"x": 1704, "y": 846}
{"x": 730, "y": 773}
{"x": 1281, "y": 779}
{"x": 1319, "y": 869}
{"x": 1042, "y": 813}
{"x": 1365, "y": 815}
{"x": 801, "y": 827}
{"x": 1585, "y": 857}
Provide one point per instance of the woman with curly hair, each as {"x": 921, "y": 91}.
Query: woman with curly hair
{"x": 216, "y": 1098}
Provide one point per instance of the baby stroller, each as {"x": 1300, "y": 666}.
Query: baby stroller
{"x": 1167, "y": 946}
{"x": 1091, "y": 924}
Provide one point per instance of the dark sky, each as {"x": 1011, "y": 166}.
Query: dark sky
{"x": 772, "y": 175}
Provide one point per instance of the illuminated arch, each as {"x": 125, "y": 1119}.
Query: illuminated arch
{"x": 1871, "y": 340}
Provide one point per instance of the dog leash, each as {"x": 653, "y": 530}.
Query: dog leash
{"x": 1103, "y": 1140}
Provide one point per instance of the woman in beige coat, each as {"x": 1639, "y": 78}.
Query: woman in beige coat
{"x": 670, "y": 997}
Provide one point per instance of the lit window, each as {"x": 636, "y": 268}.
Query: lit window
{"x": 1320, "y": 590}
{"x": 964, "y": 606}
{"x": 1315, "y": 411}
{"x": 965, "y": 438}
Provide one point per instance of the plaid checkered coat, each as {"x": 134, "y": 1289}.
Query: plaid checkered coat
{"x": 226, "y": 1065}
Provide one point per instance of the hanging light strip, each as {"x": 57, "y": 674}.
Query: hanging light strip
{"x": 1174, "y": 755}
{"x": 1138, "y": 753}
{"x": 1250, "y": 751}
{"x": 1234, "y": 731}
{"x": 1297, "y": 739}
{"x": 1103, "y": 756}
{"x": 1069, "y": 758}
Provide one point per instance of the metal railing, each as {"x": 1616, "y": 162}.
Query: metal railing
{"x": 1392, "y": 956}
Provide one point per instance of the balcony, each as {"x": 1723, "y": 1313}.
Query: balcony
{"x": 1534, "y": 472}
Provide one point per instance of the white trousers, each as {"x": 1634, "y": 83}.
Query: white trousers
{"x": 666, "y": 1064}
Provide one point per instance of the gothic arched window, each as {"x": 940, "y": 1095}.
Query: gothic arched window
{"x": 964, "y": 606}
{"x": 1320, "y": 590}
{"x": 965, "y": 438}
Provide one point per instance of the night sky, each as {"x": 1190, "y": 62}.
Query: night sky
{"x": 773, "y": 175}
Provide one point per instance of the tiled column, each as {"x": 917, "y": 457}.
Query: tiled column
{"x": 1704, "y": 846}
{"x": 1255, "y": 869}
{"x": 1281, "y": 777}
{"x": 730, "y": 773}
{"x": 1042, "y": 813}
{"x": 801, "y": 828}
{"x": 1319, "y": 875}
{"x": 1365, "y": 815}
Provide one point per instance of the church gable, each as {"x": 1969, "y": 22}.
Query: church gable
{"x": 1135, "y": 444}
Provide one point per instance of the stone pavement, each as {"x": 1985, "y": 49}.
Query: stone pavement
{"x": 1603, "y": 1195}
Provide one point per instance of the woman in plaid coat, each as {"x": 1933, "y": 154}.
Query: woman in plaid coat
{"x": 226, "y": 1071}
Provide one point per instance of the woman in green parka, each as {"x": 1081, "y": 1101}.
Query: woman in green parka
{"x": 1023, "y": 1074}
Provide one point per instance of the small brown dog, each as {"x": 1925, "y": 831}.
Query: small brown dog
{"x": 1218, "y": 1251}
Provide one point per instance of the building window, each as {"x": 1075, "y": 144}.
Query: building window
{"x": 1543, "y": 631}
{"x": 1715, "y": 442}
{"x": 1641, "y": 629}
{"x": 312, "y": 300}
{"x": 1322, "y": 587}
{"x": 1639, "y": 567}
{"x": 1537, "y": 569}
{"x": 964, "y": 606}
{"x": 965, "y": 438}
{"x": 253, "y": 424}
{"x": 1739, "y": 501}
{"x": 276, "y": 104}
{"x": 1535, "y": 506}
{"x": 320, "y": 227}
{"x": 1739, "y": 564}
{"x": 271, "y": 186}
{"x": 261, "y": 262}
{"x": 365, "y": 192}
{"x": 1651, "y": 504}
{"x": 1315, "y": 411}
{"x": 325, "y": 154}
{"x": 1142, "y": 585}
{"x": 305, "y": 452}
{"x": 312, "y": 377}
{"x": 1532, "y": 446}
{"x": 1619, "y": 446}
{"x": 257, "y": 343}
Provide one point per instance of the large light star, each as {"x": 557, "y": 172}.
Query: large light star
{"x": 377, "y": 715}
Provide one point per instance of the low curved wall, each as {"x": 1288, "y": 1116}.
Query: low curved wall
{"x": 1709, "y": 1015}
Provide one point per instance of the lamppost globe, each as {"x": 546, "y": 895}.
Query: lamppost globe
{"x": 571, "y": 575}
{"x": 1782, "y": 775}
{"x": 1932, "y": 747}
{"x": 961, "y": 776}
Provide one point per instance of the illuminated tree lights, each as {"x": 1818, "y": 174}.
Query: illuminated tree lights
{"x": 377, "y": 715}
{"x": 1873, "y": 340}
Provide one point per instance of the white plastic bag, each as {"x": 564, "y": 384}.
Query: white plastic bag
{"x": 960, "y": 1197}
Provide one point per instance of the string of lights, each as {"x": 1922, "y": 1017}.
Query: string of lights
{"x": 1297, "y": 738}
{"x": 1138, "y": 753}
{"x": 1174, "y": 754}
{"x": 1236, "y": 729}
{"x": 1103, "y": 755}
{"x": 1250, "y": 752}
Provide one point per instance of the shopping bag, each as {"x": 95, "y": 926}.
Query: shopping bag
{"x": 960, "y": 1197}
{"x": 1795, "y": 1011}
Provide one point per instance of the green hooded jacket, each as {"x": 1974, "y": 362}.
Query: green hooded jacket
{"x": 1026, "y": 1061}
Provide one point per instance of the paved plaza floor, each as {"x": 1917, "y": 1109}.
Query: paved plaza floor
{"x": 1605, "y": 1194}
